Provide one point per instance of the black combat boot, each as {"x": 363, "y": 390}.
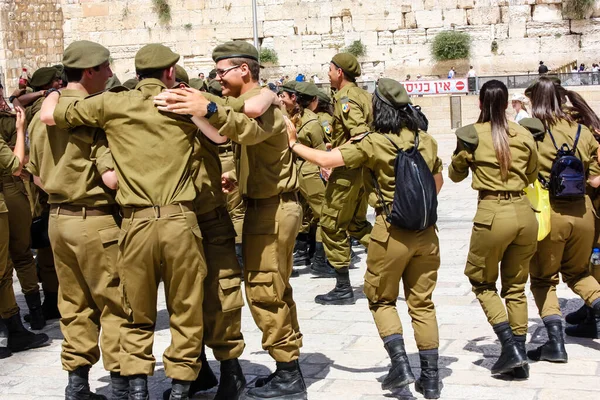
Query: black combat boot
{"x": 287, "y": 383}
{"x": 320, "y": 267}
{"x": 19, "y": 338}
{"x": 523, "y": 371}
{"x": 510, "y": 356}
{"x": 232, "y": 382}
{"x": 50, "y": 306}
{"x": 578, "y": 316}
{"x": 342, "y": 293}
{"x": 588, "y": 328}
{"x": 302, "y": 251}
{"x": 354, "y": 258}
{"x": 36, "y": 313}
{"x": 120, "y": 386}
{"x": 138, "y": 387}
{"x": 78, "y": 387}
{"x": 554, "y": 349}
{"x": 428, "y": 383}
{"x": 400, "y": 373}
{"x": 180, "y": 390}
{"x": 4, "y": 350}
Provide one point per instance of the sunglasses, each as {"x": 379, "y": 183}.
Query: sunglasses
{"x": 223, "y": 72}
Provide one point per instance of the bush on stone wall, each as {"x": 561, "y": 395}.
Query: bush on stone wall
{"x": 162, "y": 8}
{"x": 578, "y": 9}
{"x": 451, "y": 45}
{"x": 356, "y": 48}
{"x": 268, "y": 56}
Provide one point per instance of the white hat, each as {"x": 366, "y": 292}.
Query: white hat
{"x": 518, "y": 97}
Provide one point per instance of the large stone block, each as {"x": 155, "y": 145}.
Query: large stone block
{"x": 278, "y": 28}
{"x": 429, "y": 19}
{"x": 466, "y": 4}
{"x": 559, "y": 28}
{"x": 95, "y": 9}
{"x": 410, "y": 21}
{"x": 480, "y": 32}
{"x": 517, "y": 29}
{"x": 457, "y": 16}
{"x": 547, "y": 12}
{"x": 385, "y": 38}
{"x": 483, "y": 15}
{"x": 311, "y": 42}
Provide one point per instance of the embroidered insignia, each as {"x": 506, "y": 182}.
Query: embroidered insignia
{"x": 326, "y": 127}
{"x": 345, "y": 104}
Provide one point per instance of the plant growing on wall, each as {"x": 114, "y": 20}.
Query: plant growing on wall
{"x": 494, "y": 47}
{"x": 451, "y": 45}
{"x": 162, "y": 8}
{"x": 268, "y": 56}
{"x": 578, "y": 9}
{"x": 356, "y": 48}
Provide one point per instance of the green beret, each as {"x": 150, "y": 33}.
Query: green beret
{"x": 181, "y": 75}
{"x": 85, "y": 54}
{"x": 112, "y": 82}
{"x": 307, "y": 88}
{"x": 468, "y": 134}
{"x": 290, "y": 86}
{"x": 324, "y": 96}
{"x": 215, "y": 88}
{"x": 59, "y": 70}
{"x": 131, "y": 83}
{"x": 235, "y": 49}
{"x": 155, "y": 56}
{"x": 348, "y": 63}
{"x": 42, "y": 77}
{"x": 533, "y": 125}
{"x": 197, "y": 83}
{"x": 392, "y": 93}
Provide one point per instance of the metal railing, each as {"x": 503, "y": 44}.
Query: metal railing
{"x": 523, "y": 81}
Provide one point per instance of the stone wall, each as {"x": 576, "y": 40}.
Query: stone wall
{"x": 31, "y": 36}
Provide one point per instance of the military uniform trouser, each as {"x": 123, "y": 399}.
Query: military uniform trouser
{"x": 235, "y": 203}
{"x": 223, "y": 299}
{"x": 414, "y": 257}
{"x": 359, "y": 223}
{"x": 343, "y": 197}
{"x": 312, "y": 195}
{"x": 165, "y": 244}
{"x": 270, "y": 229}
{"x": 8, "y": 303}
{"x": 567, "y": 250}
{"x": 89, "y": 297}
{"x": 595, "y": 269}
{"x": 504, "y": 232}
{"x": 19, "y": 218}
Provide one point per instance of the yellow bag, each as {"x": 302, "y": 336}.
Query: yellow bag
{"x": 540, "y": 200}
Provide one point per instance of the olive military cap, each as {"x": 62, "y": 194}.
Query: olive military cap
{"x": 324, "y": 96}
{"x": 112, "y": 82}
{"x": 196, "y": 83}
{"x": 181, "y": 75}
{"x": 392, "y": 93}
{"x": 215, "y": 88}
{"x": 155, "y": 56}
{"x": 42, "y": 77}
{"x": 84, "y": 54}
{"x": 235, "y": 49}
{"x": 348, "y": 63}
{"x": 290, "y": 86}
{"x": 59, "y": 70}
{"x": 307, "y": 88}
{"x": 131, "y": 83}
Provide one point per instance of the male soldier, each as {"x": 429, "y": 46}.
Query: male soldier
{"x": 70, "y": 167}
{"x": 160, "y": 237}
{"x": 19, "y": 338}
{"x": 272, "y": 217}
{"x": 344, "y": 209}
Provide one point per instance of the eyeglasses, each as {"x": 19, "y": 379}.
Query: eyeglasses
{"x": 222, "y": 72}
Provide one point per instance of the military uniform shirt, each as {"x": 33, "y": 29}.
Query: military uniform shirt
{"x": 326, "y": 122}
{"x": 375, "y": 152}
{"x": 71, "y": 164}
{"x": 522, "y": 171}
{"x": 266, "y": 166}
{"x": 352, "y": 113}
{"x": 310, "y": 134}
{"x": 152, "y": 150}
{"x": 9, "y": 163}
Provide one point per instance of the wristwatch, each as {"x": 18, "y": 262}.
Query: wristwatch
{"x": 211, "y": 108}
{"x": 51, "y": 90}
{"x": 12, "y": 98}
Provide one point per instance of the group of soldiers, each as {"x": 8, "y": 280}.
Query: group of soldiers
{"x": 136, "y": 186}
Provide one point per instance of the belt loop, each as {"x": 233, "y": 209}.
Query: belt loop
{"x": 156, "y": 211}
{"x": 58, "y": 210}
{"x": 83, "y": 212}
{"x": 181, "y": 208}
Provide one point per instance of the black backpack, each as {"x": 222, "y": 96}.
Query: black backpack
{"x": 415, "y": 195}
{"x": 567, "y": 176}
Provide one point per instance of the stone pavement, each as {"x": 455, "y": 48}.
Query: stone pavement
{"x": 343, "y": 356}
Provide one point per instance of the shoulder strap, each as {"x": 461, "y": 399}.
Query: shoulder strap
{"x": 306, "y": 123}
{"x": 552, "y": 137}
{"x": 386, "y": 210}
{"x": 576, "y": 138}
{"x": 415, "y": 148}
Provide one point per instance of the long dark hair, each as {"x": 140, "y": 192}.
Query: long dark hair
{"x": 325, "y": 107}
{"x": 387, "y": 119}
{"x": 582, "y": 112}
{"x": 493, "y": 99}
{"x": 546, "y": 104}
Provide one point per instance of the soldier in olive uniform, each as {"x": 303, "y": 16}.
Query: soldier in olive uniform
{"x": 344, "y": 210}
{"x": 325, "y": 113}
{"x": 395, "y": 254}
{"x": 503, "y": 158}
{"x": 19, "y": 338}
{"x": 160, "y": 237}
{"x": 268, "y": 179}
{"x": 71, "y": 168}
{"x": 567, "y": 248}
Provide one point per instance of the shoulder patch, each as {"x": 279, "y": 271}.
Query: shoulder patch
{"x": 360, "y": 137}
{"x": 345, "y": 104}
{"x": 468, "y": 134}
{"x": 326, "y": 127}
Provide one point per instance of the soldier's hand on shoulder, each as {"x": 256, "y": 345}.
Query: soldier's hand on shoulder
{"x": 186, "y": 101}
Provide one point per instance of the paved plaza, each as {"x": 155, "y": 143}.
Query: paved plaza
{"x": 343, "y": 356}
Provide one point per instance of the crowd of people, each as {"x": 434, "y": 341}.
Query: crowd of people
{"x": 207, "y": 183}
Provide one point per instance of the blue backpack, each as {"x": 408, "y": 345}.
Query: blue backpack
{"x": 568, "y": 175}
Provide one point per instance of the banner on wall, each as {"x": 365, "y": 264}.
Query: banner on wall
{"x": 445, "y": 86}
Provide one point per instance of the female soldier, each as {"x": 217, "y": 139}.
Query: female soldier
{"x": 394, "y": 253}
{"x": 311, "y": 185}
{"x": 568, "y": 247}
{"x": 503, "y": 158}
{"x": 324, "y": 111}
